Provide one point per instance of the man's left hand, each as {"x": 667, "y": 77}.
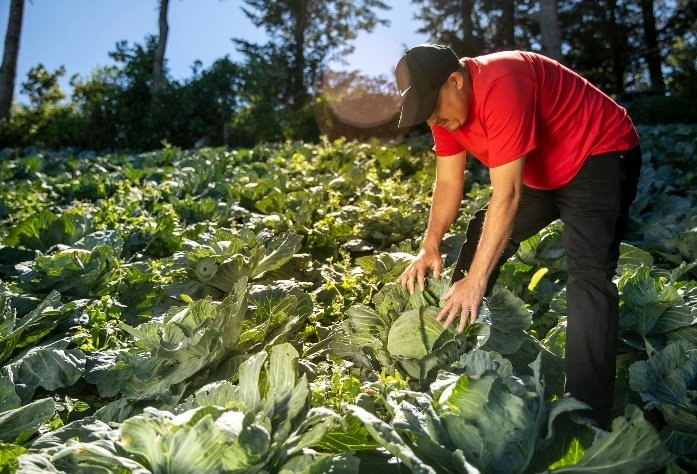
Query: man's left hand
{"x": 464, "y": 297}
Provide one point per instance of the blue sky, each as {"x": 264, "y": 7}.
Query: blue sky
{"x": 79, "y": 34}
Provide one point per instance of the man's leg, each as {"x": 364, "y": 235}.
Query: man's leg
{"x": 535, "y": 211}
{"x": 594, "y": 208}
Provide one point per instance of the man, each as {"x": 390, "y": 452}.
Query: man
{"x": 556, "y": 147}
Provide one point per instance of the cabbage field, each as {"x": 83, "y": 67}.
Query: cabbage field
{"x": 236, "y": 311}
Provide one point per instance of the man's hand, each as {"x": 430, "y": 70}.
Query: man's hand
{"x": 428, "y": 257}
{"x": 466, "y": 295}
{"x": 464, "y": 298}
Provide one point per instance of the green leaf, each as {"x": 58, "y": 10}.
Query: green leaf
{"x": 25, "y": 420}
{"x": 573, "y": 455}
{"x": 680, "y": 443}
{"x": 222, "y": 394}
{"x": 414, "y": 333}
{"x": 630, "y": 255}
{"x": 45, "y": 229}
{"x": 390, "y": 302}
{"x": 630, "y": 434}
{"x": 364, "y": 327}
{"x": 168, "y": 354}
{"x": 509, "y": 321}
{"x": 353, "y": 436}
{"x": 84, "y": 430}
{"x": 313, "y": 429}
{"x": 668, "y": 377}
{"x": 535, "y": 280}
{"x": 278, "y": 251}
{"x": 319, "y": 463}
{"x": 9, "y": 454}
{"x": 51, "y": 366}
{"x": 477, "y": 362}
{"x": 73, "y": 272}
{"x": 434, "y": 289}
{"x": 282, "y": 375}
{"x": 388, "y": 438}
{"x": 250, "y": 370}
{"x": 20, "y": 332}
{"x": 275, "y": 312}
{"x": 108, "y": 238}
{"x": 160, "y": 442}
{"x": 385, "y": 267}
{"x": 8, "y": 397}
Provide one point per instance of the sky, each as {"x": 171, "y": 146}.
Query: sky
{"x": 79, "y": 34}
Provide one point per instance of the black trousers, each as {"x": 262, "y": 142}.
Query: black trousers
{"x": 594, "y": 208}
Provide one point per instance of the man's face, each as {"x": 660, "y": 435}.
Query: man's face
{"x": 453, "y": 105}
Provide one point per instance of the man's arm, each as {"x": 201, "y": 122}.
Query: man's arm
{"x": 466, "y": 295}
{"x": 447, "y": 196}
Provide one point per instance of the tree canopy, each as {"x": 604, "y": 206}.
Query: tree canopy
{"x": 275, "y": 91}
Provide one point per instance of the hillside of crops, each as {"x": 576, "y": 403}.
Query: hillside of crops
{"x": 236, "y": 311}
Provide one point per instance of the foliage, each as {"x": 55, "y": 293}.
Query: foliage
{"x": 275, "y": 92}
{"x": 218, "y": 261}
{"x": 668, "y": 381}
{"x": 17, "y": 332}
{"x": 489, "y": 421}
{"x": 166, "y": 354}
{"x": 20, "y": 422}
{"x": 113, "y": 299}
{"x": 400, "y": 332}
{"x": 310, "y": 33}
{"x": 261, "y": 424}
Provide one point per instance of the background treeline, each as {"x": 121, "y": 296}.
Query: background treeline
{"x": 642, "y": 52}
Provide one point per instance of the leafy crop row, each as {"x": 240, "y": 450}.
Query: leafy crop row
{"x": 237, "y": 311}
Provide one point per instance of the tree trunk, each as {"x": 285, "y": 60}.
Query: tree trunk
{"x": 298, "y": 91}
{"x": 469, "y": 46}
{"x": 549, "y": 29}
{"x": 159, "y": 59}
{"x": 617, "y": 48}
{"x": 653, "y": 55}
{"x": 8, "y": 70}
{"x": 508, "y": 24}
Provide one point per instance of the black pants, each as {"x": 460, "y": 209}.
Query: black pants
{"x": 593, "y": 208}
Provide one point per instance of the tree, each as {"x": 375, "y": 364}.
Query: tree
{"x": 46, "y": 122}
{"x": 308, "y": 33}
{"x": 42, "y": 88}
{"x": 263, "y": 87}
{"x": 497, "y": 19}
{"x": 8, "y": 70}
{"x": 159, "y": 56}
{"x": 598, "y": 38}
{"x": 508, "y": 24}
{"x": 652, "y": 52}
{"x": 617, "y": 39}
{"x": 205, "y": 104}
{"x": 550, "y": 31}
{"x": 451, "y": 22}
{"x": 681, "y": 57}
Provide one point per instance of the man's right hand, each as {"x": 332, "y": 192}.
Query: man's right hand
{"x": 428, "y": 257}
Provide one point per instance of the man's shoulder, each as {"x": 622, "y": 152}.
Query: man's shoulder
{"x": 506, "y": 60}
{"x": 487, "y": 68}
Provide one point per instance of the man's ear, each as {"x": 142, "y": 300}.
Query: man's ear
{"x": 457, "y": 79}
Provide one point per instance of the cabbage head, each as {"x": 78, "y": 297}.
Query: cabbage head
{"x": 414, "y": 333}
{"x": 399, "y": 332}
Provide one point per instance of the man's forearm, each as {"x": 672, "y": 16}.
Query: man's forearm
{"x": 498, "y": 225}
{"x": 444, "y": 208}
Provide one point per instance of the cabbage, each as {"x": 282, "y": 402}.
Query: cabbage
{"x": 399, "y": 332}
{"x": 414, "y": 333}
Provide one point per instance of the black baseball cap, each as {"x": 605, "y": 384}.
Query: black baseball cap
{"x": 420, "y": 74}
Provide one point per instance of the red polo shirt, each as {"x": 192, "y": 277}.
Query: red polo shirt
{"x": 527, "y": 104}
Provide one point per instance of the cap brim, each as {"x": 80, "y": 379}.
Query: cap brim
{"x": 415, "y": 109}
